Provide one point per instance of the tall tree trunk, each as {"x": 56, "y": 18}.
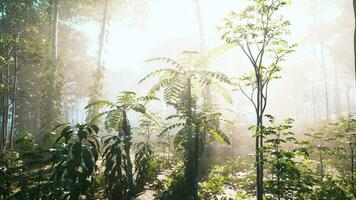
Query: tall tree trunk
{"x": 49, "y": 105}
{"x": 2, "y": 134}
{"x": 96, "y": 90}
{"x": 190, "y": 171}
{"x": 313, "y": 105}
{"x": 337, "y": 90}
{"x": 200, "y": 25}
{"x": 321, "y": 62}
{"x": 326, "y": 89}
{"x": 6, "y": 107}
{"x": 103, "y": 34}
{"x": 259, "y": 153}
{"x": 278, "y": 170}
{"x": 352, "y": 169}
{"x": 13, "y": 110}
{"x": 260, "y": 107}
{"x": 207, "y": 98}
{"x": 55, "y": 34}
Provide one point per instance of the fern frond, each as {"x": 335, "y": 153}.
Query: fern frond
{"x": 160, "y": 72}
{"x": 166, "y": 60}
{"x": 222, "y": 91}
{"x": 214, "y": 75}
{"x": 100, "y": 103}
{"x": 219, "y": 136}
{"x": 171, "y": 127}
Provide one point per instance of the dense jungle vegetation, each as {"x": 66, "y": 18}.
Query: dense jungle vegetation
{"x": 191, "y": 131}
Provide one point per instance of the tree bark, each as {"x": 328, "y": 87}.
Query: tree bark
{"x": 102, "y": 34}
{"x": 352, "y": 170}
{"x": 96, "y": 90}
{"x": 259, "y": 136}
{"x": 5, "y": 104}
{"x": 13, "y": 110}
{"x": 55, "y": 34}
{"x": 326, "y": 89}
{"x": 190, "y": 171}
{"x": 2, "y": 138}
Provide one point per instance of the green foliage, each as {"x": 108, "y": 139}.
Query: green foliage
{"x": 238, "y": 174}
{"x": 261, "y": 35}
{"x": 213, "y": 187}
{"x": 144, "y": 165}
{"x": 74, "y": 163}
{"x": 285, "y": 180}
{"x": 194, "y": 125}
{"x": 259, "y": 32}
{"x": 9, "y": 165}
{"x": 51, "y": 98}
{"x": 173, "y": 186}
{"x": 25, "y": 142}
{"x": 35, "y": 98}
{"x": 122, "y": 180}
{"x": 342, "y": 136}
{"x": 329, "y": 189}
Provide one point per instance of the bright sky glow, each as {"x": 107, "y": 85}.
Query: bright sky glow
{"x": 169, "y": 27}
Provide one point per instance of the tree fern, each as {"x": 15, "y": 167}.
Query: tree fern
{"x": 176, "y": 84}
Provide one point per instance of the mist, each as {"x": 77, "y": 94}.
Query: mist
{"x": 185, "y": 99}
{"x": 323, "y": 31}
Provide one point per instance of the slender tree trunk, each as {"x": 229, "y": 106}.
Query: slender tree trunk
{"x": 96, "y": 91}
{"x": 103, "y": 34}
{"x": 352, "y": 169}
{"x": 200, "y": 25}
{"x": 351, "y": 146}
{"x": 313, "y": 104}
{"x": 49, "y": 113}
{"x": 6, "y": 107}
{"x": 322, "y": 61}
{"x": 3, "y": 107}
{"x": 326, "y": 89}
{"x": 196, "y": 161}
{"x": 259, "y": 135}
{"x": 14, "y": 87}
{"x": 336, "y": 91}
{"x": 278, "y": 172}
{"x": 55, "y": 34}
{"x": 190, "y": 171}
{"x": 2, "y": 138}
